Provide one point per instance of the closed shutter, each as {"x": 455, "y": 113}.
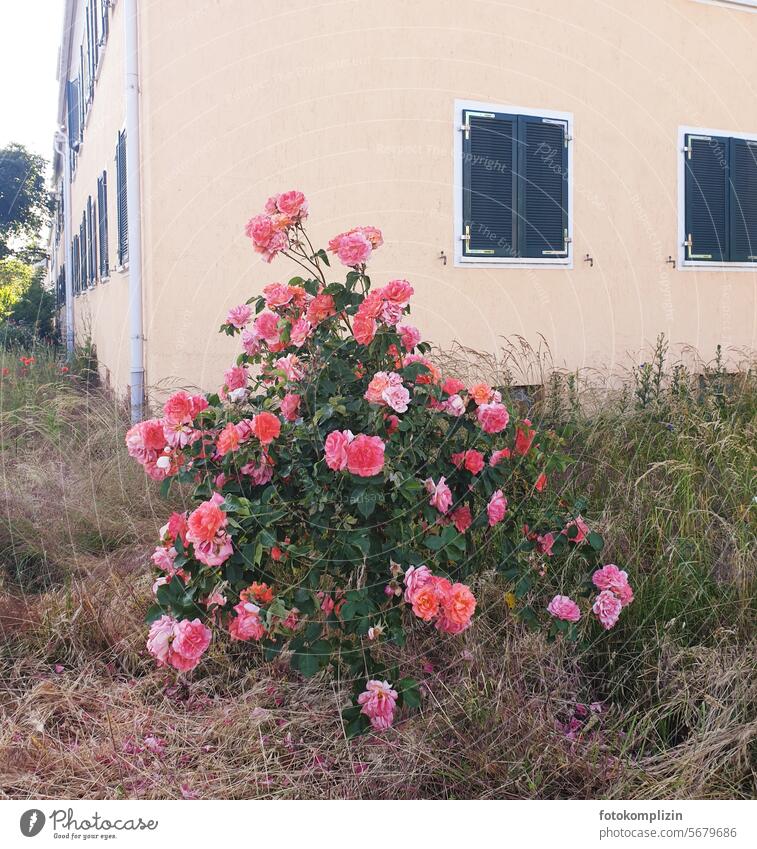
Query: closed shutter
{"x": 489, "y": 192}
{"x": 707, "y": 198}
{"x": 92, "y": 242}
{"x": 542, "y": 169}
{"x": 83, "y": 276}
{"x": 743, "y": 200}
{"x": 75, "y": 261}
{"x": 72, "y": 98}
{"x": 123, "y": 224}
{"x": 102, "y": 208}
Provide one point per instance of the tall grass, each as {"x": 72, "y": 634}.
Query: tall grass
{"x": 667, "y": 458}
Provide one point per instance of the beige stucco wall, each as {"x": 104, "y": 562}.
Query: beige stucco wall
{"x": 352, "y": 102}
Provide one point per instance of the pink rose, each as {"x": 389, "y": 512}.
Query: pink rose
{"x": 562, "y": 607}
{"x": 607, "y": 607}
{"x": 498, "y": 456}
{"x": 190, "y": 642}
{"x": 451, "y": 385}
{"x": 277, "y": 295}
{"x": 300, "y": 332}
{"x": 524, "y": 436}
{"x": 581, "y": 527}
{"x": 235, "y": 378}
{"x": 611, "y": 578}
{"x": 159, "y": 639}
{"x": 441, "y": 495}
{"x": 266, "y": 327}
{"x": 399, "y": 291}
{"x": 416, "y": 577}
{"x": 290, "y": 407}
{"x": 378, "y": 703}
{"x": 493, "y": 418}
{"x": 336, "y": 449}
{"x": 260, "y": 230}
{"x": 462, "y": 518}
{"x": 365, "y": 455}
{"x": 250, "y": 343}
{"x": 458, "y": 605}
{"x": 320, "y": 308}
{"x": 240, "y": 316}
{"x": 474, "y": 461}
{"x": 544, "y": 544}
{"x": 496, "y": 508}
{"x": 363, "y": 329}
{"x": 409, "y": 335}
{"x": 246, "y": 625}
{"x": 178, "y": 409}
{"x": 353, "y": 249}
{"x": 293, "y": 204}
{"x": 454, "y": 406}
{"x": 292, "y": 367}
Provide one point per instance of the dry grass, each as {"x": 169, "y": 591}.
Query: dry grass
{"x": 86, "y": 714}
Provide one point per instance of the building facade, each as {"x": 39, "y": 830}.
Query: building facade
{"x": 583, "y": 173}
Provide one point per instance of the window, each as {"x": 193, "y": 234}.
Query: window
{"x": 83, "y": 252}
{"x": 123, "y": 223}
{"x": 513, "y": 186}
{"x": 91, "y": 242}
{"x": 76, "y": 264}
{"x": 102, "y": 208}
{"x": 718, "y": 221}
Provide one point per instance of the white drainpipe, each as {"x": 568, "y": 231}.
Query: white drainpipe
{"x": 61, "y": 148}
{"x": 134, "y": 208}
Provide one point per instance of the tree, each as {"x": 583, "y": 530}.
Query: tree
{"x": 15, "y": 279}
{"x": 34, "y": 311}
{"x": 24, "y": 200}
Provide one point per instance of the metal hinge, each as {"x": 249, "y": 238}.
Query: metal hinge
{"x": 689, "y": 244}
{"x": 689, "y": 148}
{"x": 566, "y": 136}
{"x": 465, "y": 238}
{"x": 466, "y": 128}
{"x": 564, "y": 252}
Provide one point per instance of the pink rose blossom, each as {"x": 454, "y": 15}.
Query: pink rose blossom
{"x": 246, "y": 625}
{"x": 458, "y": 605}
{"x": 266, "y": 327}
{"x": 462, "y": 518}
{"x": 293, "y": 204}
{"x": 562, "y": 607}
{"x": 363, "y": 329}
{"x": 415, "y": 578}
{"x": 378, "y": 703}
{"x": 353, "y": 249}
{"x": 544, "y": 544}
{"x": 190, "y": 642}
{"x": 160, "y": 637}
{"x": 493, "y": 417}
{"x": 398, "y": 291}
{"x": 290, "y": 407}
{"x": 498, "y": 456}
{"x": 336, "y": 449}
{"x": 496, "y": 508}
{"x": 240, "y": 316}
{"x": 611, "y": 578}
{"x": 235, "y": 378}
{"x": 454, "y": 406}
{"x": 607, "y": 607}
{"x": 409, "y": 335}
{"x": 301, "y": 331}
{"x": 291, "y": 366}
{"x": 441, "y": 495}
{"x": 581, "y": 527}
{"x": 277, "y": 295}
{"x": 365, "y": 455}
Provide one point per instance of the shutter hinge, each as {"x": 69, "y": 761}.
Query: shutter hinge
{"x": 689, "y": 244}
{"x": 466, "y": 236}
{"x": 465, "y": 128}
{"x": 689, "y": 148}
{"x": 564, "y": 252}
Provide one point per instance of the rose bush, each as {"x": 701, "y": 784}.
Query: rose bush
{"x": 345, "y": 487}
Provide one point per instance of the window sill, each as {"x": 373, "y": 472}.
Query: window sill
{"x": 717, "y": 266}
{"x": 500, "y": 262}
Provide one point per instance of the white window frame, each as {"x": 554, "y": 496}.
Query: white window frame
{"x": 741, "y": 5}
{"x": 461, "y": 261}
{"x": 684, "y": 264}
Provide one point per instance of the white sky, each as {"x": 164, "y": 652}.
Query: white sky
{"x": 30, "y": 32}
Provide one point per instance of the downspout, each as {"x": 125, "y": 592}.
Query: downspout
{"x": 61, "y": 148}
{"x": 134, "y": 208}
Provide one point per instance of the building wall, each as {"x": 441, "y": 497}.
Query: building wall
{"x": 352, "y": 102}
{"x": 101, "y": 313}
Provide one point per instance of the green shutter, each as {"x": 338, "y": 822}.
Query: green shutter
{"x": 743, "y": 200}
{"x": 542, "y": 169}
{"x": 707, "y": 198}
{"x": 489, "y": 191}
{"x": 102, "y": 208}
{"x": 72, "y": 98}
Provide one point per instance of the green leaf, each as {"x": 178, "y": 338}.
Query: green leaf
{"x": 596, "y": 541}
{"x": 408, "y": 689}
